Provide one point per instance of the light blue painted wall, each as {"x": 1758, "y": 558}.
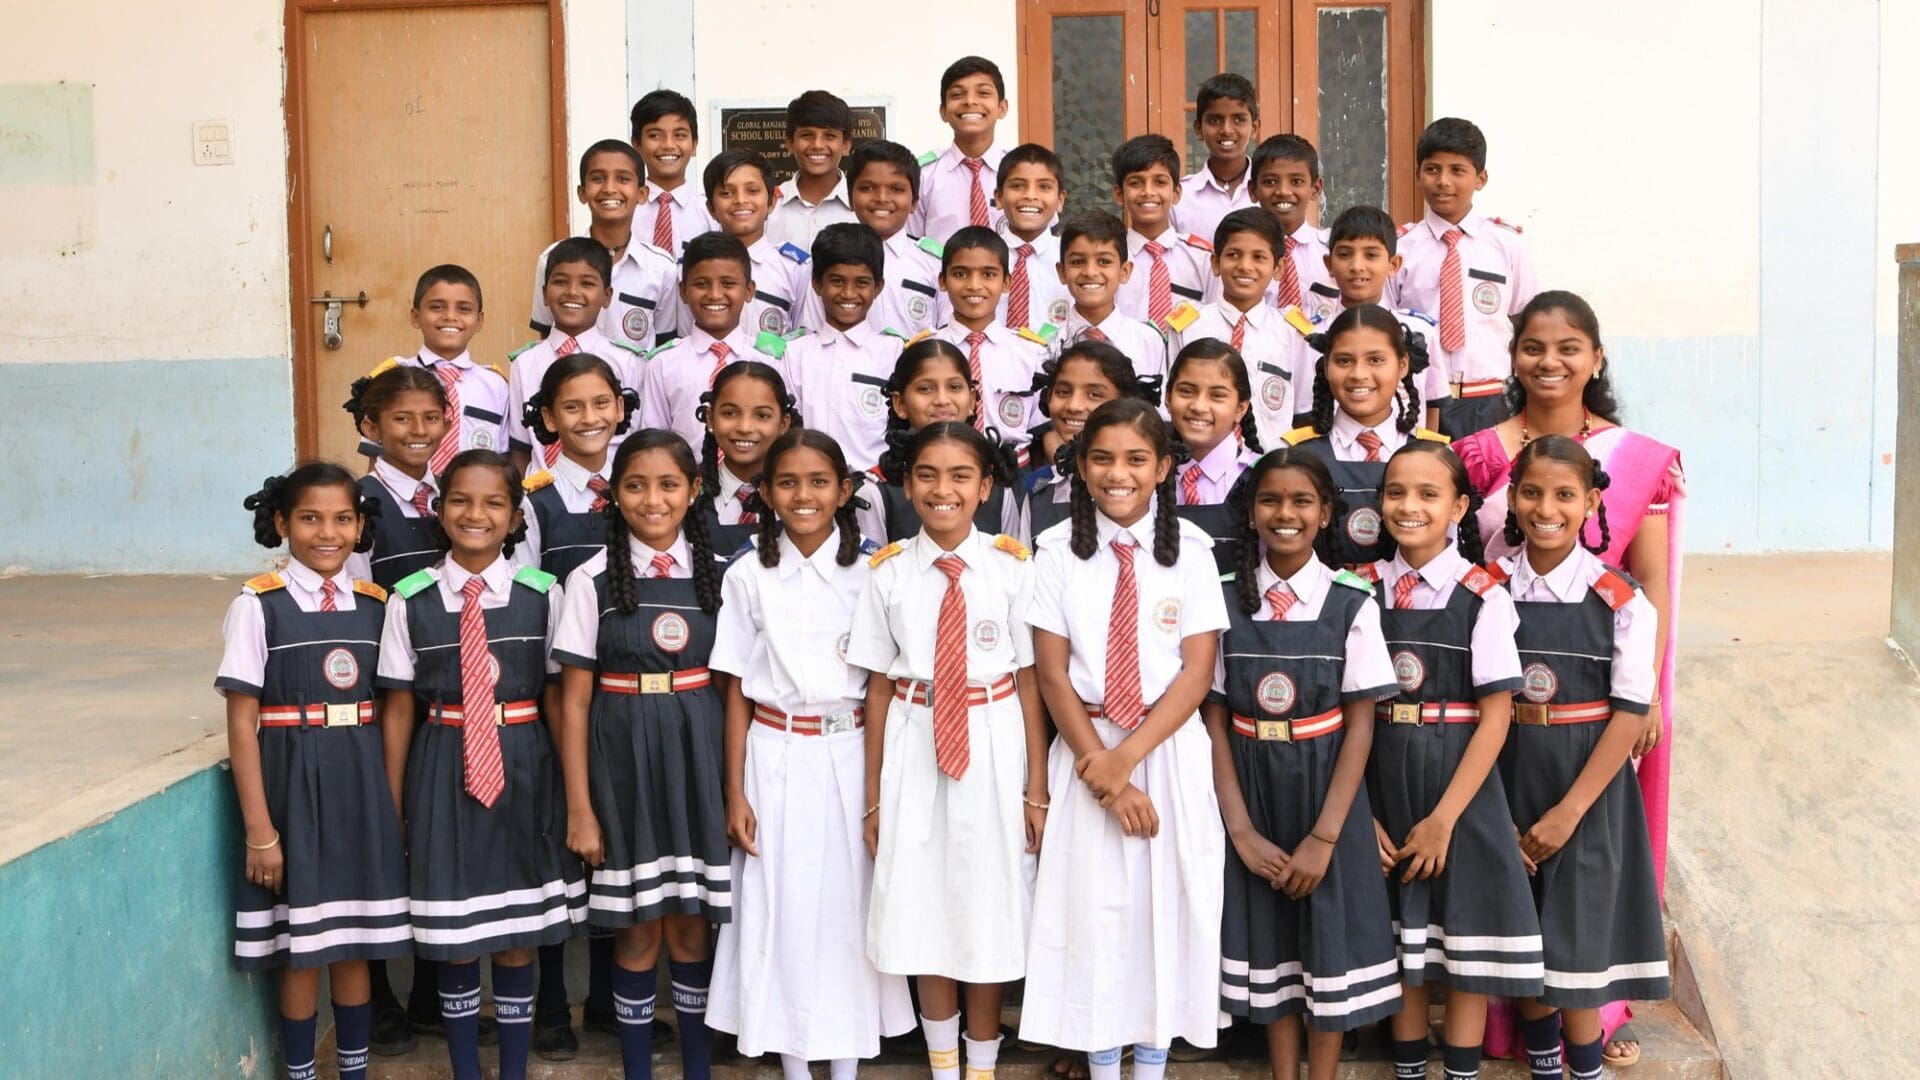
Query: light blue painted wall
{"x": 117, "y": 943}
{"x": 660, "y": 53}
{"x": 139, "y": 464}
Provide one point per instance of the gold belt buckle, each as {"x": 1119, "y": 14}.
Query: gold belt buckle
{"x": 343, "y": 715}
{"x": 1530, "y": 713}
{"x": 1406, "y": 712}
{"x": 837, "y": 723}
{"x": 499, "y": 714}
{"x": 656, "y": 682}
{"x": 1273, "y": 730}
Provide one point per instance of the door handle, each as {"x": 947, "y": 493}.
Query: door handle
{"x": 326, "y": 244}
{"x": 330, "y": 329}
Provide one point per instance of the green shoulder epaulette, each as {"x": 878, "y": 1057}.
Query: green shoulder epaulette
{"x": 1431, "y": 436}
{"x": 1011, "y": 546}
{"x": 796, "y": 333}
{"x": 368, "y": 588}
{"x": 1047, "y": 333}
{"x": 895, "y": 333}
{"x": 929, "y": 158}
{"x": 771, "y": 343}
{"x": 264, "y": 583}
{"x": 537, "y": 480}
{"x": 1299, "y": 435}
{"x": 523, "y": 348}
{"x": 933, "y": 247}
{"x": 1353, "y": 581}
{"x": 660, "y": 348}
{"x": 1036, "y": 338}
{"x": 622, "y": 343}
{"x": 408, "y": 586}
{"x": 885, "y": 553}
{"x": 534, "y": 578}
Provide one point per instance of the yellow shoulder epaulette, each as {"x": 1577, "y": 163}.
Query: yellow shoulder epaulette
{"x": 266, "y": 582}
{"x": 921, "y": 336}
{"x": 1431, "y": 436}
{"x": 1182, "y": 317}
{"x": 1299, "y": 321}
{"x": 1027, "y": 332}
{"x": 386, "y": 365}
{"x": 536, "y": 481}
{"x": 368, "y": 588}
{"x": 1011, "y": 546}
{"x": 885, "y": 553}
{"x": 497, "y": 370}
{"x": 1300, "y": 434}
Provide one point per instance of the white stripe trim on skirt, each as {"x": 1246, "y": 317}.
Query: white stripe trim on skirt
{"x": 446, "y": 909}
{"x": 315, "y": 913}
{"x": 1595, "y": 980}
{"x": 321, "y": 941}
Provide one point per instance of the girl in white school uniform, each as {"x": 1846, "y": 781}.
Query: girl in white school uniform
{"x": 930, "y": 384}
{"x": 791, "y": 974}
{"x": 1586, "y": 641}
{"x": 1126, "y": 612}
{"x": 297, "y": 674}
{"x": 1306, "y": 932}
{"x": 956, "y": 789}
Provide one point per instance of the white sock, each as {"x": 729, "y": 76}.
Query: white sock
{"x": 1104, "y": 1064}
{"x": 943, "y": 1046}
{"x": 1149, "y": 1063}
{"x": 794, "y": 1067}
{"x": 843, "y": 1068}
{"x": 982, "y": 1056}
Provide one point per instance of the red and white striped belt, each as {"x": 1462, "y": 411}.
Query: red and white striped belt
{"x": 1427, "y": 712}
{"x": 1580, "y": 712}
{"x": 916, "y": 691}
{"x": 1476, "y": 388}
{"x": 1295, "y": 730}
{"x": 505, "y": 712}
{"x": 655, "y": 682}
{"x": 832, "y": 724}
{"x": 347, "y": 715}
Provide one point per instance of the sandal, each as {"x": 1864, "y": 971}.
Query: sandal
{"x": 1622, "y": 1036}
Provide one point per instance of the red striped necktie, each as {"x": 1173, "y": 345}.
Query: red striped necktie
{"x": 450, "y": 442}
{"x": 950, "y": 748}
{"x": 1453, "y": 308}
{"x": 720, "y": 354}
{"x": 976, "y": 195}
{"x": 661, "y": 566}
{"x": 1370, "y": 442}
{"x": 1289, "y": 293}
{"x": 663, "y": 223}
{"x": 1403, "y": 591}
{"x": 327, "y": 589}
{"x": 1020, "y": 289}
{"x": 1123, "y": 705}
{"x": 1280, "y": 599}
{"x": 423, "y": 500}
{"x": 597, "y": 485}
{"x": 1190, "y": 485}
{"x": 486, "y": 774}
{"x": 1159, "y": 285}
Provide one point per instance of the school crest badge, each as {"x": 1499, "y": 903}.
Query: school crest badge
{"x": 840, "y": 647}
{"x": 1273, "y": 393}
{"x": 1166, "y": 615}
{"x": 1012, "y": 410}
{"x": 1363, "y": 526}
{"x": 1408, "y": 670}
{"x": 635, "y": 324}
{"x": 1538, "y": 683}
{"x": 1486, "y": 298}
{"x": 1276, "y": 694}
{"x": 772, "y": 321}
{"x": 1057, "y": 311}
{"x": 871, "y": 400}
{"x": 670, "y": 631}
{"x": 341, "y": 669}
{"x": 986, "y": 634}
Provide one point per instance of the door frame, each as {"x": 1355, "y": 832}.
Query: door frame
{"x": 306, "y": 388}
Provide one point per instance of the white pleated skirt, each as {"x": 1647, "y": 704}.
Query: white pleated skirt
{"x": 790, "y": 972}
{"x": 953, "y": 884}
{"x": 1125, "y": 944}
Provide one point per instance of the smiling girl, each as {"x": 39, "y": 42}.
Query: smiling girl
{"x": 746, "y": 410}
{"x": 403, "y": 409}
{"x": 582, "y": 407}
{"x": 1208, "y": 396}
{"x": 930, "y": 385}
{"x": 1083, "y": 377}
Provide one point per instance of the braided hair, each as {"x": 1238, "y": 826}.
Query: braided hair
{"x": 1568, "y": 452}
{"x": 768, "y": 537}
{"x": 1468, "y": 540}
{"x": 1407, "y": 346}
{"x": 481, "y": 459}
{"x": 1143, "y": 418}
{"x": 621, "y": 574}
{"x": 1201, "y": 350}
{"x": 1597, "y": 395}
{"x": 557, "y": 376}
{"x": 1113, "y": 365}
{"x": 1242, "y": 499}
{"x": 899, "y": 434}
{"x": 710, "y": 401}
{"x": 278, "y": 495}
{"x": 372, "y": 395}
{"x": 997, "y": 461}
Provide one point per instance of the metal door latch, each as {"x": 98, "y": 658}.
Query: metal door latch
{"x": 330, "y": 329}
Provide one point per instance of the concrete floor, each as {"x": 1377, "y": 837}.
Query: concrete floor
{"x": 1797, "y": 786}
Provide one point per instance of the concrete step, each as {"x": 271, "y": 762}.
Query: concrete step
{"x": 1671, "y": 1049}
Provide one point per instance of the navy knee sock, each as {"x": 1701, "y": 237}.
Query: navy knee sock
{"x": 1542, "y": 1039}
{"x": 513, "y": 1010}
{"x": 690, "y": 981}
{"x": 350, "y": 1038}
{"x": 633, "y": 1009}
{"x": 296, "y": 1046}
{"x": 600, "y": 974}
{"x": 1583, "y": 1059}
{"x": 1410, "y": 1059}
{"x": 460, "y": 1016}
{"x": 552, "y": 1008}
{"x": 1462, "y": 1062}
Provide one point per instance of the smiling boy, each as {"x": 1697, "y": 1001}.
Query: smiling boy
{"x": 1002, "y": 361}
{"x": 1172, "y": 270}
{"x": 612, "y": 178}
{"x": 716, "y": 283}
{"x": 1287, "y": 182}
{"x": 819, "y": 134}
{"x": 957, "y": 183}
{"x": 838, "y": 373}
{"x": 574, "y": 288}
{"x": 739, "y": 186}
{"x": 1031, "y": 193}
{"x": 1093, "y": 267}
{"x": 1226, "y": 116}
{"x": 667, "y": 134}
{"x": 446, "y": 311}
{"x": 883, "y": 182}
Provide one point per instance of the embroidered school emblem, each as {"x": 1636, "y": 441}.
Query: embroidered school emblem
{"x": 840, "y": 647}
{"x": 1275, "y": 694}
{"x": 1166, "y": 615}
{"x": 1363, "y": 526}
{"x": 1538, "y": 683}
{"x": 1486, "y": 297}
{"x": 772, "y": 321}
{"x": 1057, "y": 311}
{"x": 1273, "y": 393}
{"x": 493, "y": 666}
{"x": 482, "y": 439}
{"x": 872, "y": 400}
{"x": 1408, "y": 670}
{"x": 670, "y": 631}
{"x": 986, "y": 633}
{"x": 341, "y": 669}
{"x": 1013, "y": 410}
{"x": 919, "y": 308}
{"x": 635, "y": 324}
{"x": 1320, "y": 308}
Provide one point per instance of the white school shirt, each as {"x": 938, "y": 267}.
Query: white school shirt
{"x": 1308, "y": 248}
{"x": 726, "y": 503}
{"x": 1495, "y": 663}
{"x": 946, "y": 199}
{"x": 908, "y": 301}
{"x": 1497, "y": 282}
{"x": 1008, "y": 365}
{"x": 576, "y": 638}
{"x": 1073, "y": 598}
{"x": 678, "y": 374}
{"x": 1218, "y": 470}
{"x": 1344, "y": 437}
{"x": 530, "y": 365}
{"x": 1634, "y": 623}
{"x": 781, "y": 281}
{"x": 689, "y": 210}
{"x": 482, "y": 422}
{"x": 1189, "y": 262}
{"x": 570, "y": 483}
{"x": 1136, "y": 338}
{"x": 397, "y": 656}
{"x": 839, "y": 382}
{"x": 1369, "y": 670}
{"x": 785, "y": 630}
{"x": 794, "y": 220}
{"x": 1048, "y": 300}
{"x": 898, "y": 616}
{"x": 243, "y": 659}
{"x": 1268, "y": 348}
{"x": 646, "y": 295}
{"x": 1204, "y": 200}
{"x": 401, "y": 487}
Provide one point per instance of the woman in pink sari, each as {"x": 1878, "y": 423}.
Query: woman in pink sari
{"x": 1560, "y": 387}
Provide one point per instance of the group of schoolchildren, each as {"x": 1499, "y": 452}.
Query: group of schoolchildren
{"x": 871, "y": 591}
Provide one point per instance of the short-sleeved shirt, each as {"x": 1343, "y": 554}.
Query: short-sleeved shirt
{"x": 1635, "y": 628}
{"x": 689, "y": 210}
{"x": 899, "y": 612}
{"x": 1496, "y": 663}
{"x": 678, "y": 374}
{"x": 482, "y": 420}
{"x": 646, "y": 295}
{"x": 796, "y": 221}
{"x": 1189, "y": 272}
{"x": 530, "y": 366}
{"x": 839, "y": 381}
{"x": 243, "y": 658}
{"x": 908, "y": 301}
{"x": 1073, "y": 598}
{"x": 1368, "y": 670}
{"x": 785, "y": 630}
{"x": 570, "y": 483}
{"x": 1268, "y": 347}
{"x": 1135, "y": 338}
{"x": 397, "y": 655}
{"x": 1497, "y": 281}
{"x": 1048, "y": 300}
{"x": 401, "y": 487}
{"x": 781, "y": 283}
{"x": 1008, "y": 365}
{"x": 946, "y": 196}
{"x": 1204, "y": 200}
{"x": 577, "y": 634}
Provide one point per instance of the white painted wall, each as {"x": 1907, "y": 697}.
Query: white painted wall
{"x": 597, "y": 100}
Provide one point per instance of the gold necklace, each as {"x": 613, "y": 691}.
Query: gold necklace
{"x": 1586, "y": 427}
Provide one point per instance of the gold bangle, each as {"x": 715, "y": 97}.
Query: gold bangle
{"x": 268, "y": 846}
{"x": 871, "y": 810}
{"x": 1036, "y": 805}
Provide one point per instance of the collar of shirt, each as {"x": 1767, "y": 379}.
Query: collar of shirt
{"x": 1141, "y": 531}
{"x": 736, "y": 340}
{"x": 790, "y": 191}
{"x": 1256, "y": 315}
{"x": 956, "y": 332}
{"x": 1441, "y": 570}
{"x": 729, "y": 485}
{"x": 822, "y": 560}
{"x": 1039, "y": 244}
{"x": 1567, "y": 582}
{"x": 1076, "y": 323}
{"x": 1306, "y": 582}
{"x": 925, "y": 551}
{"x": 1219, "y": 461}
{"x": 1346, "y": 433}
{"x": 574, "y": 474}
{"x": 590, "y": 340}
{"x": 429, "y": 358}
{"x": 308, "y": 580}
{"x": 677, "y": 196}
{"x": 1471, "y": 224}
{"x": 400, "y": 484}
{"x": 453, "y": 577}
{"x": 951, "y": 158}
{"x": 858, "y": 337}
{"x": 643, "y": 555}
{"x": 1205, "y": 178}
{"x": 1168, "y": 240}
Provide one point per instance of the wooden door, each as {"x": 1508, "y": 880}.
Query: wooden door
{"x": 420, "y": 134}
{"x": 1198, "y": 39}
{"x": 1084, "y": 88}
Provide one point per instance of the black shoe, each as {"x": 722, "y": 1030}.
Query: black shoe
{"x": 911, "y": 1044}
{"x": 556, "y": 1042}
{"x": 1186, "y": 1053}
{"x": 389, "y": 1033}
{"x": 604, "y": 1022}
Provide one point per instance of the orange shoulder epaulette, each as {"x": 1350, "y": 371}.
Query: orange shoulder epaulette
{"x": 1479, "y": 580}
{"x": 1494, "y": 571}
{"x": 368, "y": 588}
{"x": 267, "y": 582}
{"x": 1370, "y": 571}
{"x": 1613, "y": 588}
